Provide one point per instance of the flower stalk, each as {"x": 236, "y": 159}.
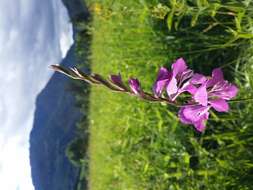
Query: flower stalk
{"x": 113, "y": 83}
{"x": 202, "y": 92}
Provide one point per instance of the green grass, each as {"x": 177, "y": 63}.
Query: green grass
{"x": 136, "y": 145}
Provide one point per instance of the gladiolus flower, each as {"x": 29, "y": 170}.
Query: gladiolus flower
{"x": 134, "y": 84}
{"x": 175, "y": 81}
{"x": 206, "y": 92}
{"x": 212, "y": 93}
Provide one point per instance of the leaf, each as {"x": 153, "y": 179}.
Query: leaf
{"x": 245, "y": 35}
{"x": 160, "y": 11}
{"x": 202, "y": 3}
{"x": 238, "y": 20}
{"x": 231, "y": 31}
{"x": 214, "y": 7}
{"x": 178, "y": 21}
{"x": 146, "y": 168}
{"x": 170, "y": 19}
{"x": 195, "y": 18}
{"x": 173, "y": 3}
{"x": 186, "y": 158}
{"x": 183, "y": 11}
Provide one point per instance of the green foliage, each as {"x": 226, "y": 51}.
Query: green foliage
{"x": 136, "y": 145}
{"x": 228, "y": 16}
{"x": 76, "y": 151}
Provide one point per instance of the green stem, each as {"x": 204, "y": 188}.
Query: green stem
{"x": 241, "y": 100}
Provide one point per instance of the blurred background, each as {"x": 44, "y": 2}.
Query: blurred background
{"x": 37, "y": 115}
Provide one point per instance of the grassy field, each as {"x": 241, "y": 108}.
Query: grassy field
{"x": 137, "y": 145}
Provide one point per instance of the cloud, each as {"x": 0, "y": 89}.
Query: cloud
{"x": 33, "y": 35}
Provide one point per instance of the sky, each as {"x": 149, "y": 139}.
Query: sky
{"x": 33, "y": 35}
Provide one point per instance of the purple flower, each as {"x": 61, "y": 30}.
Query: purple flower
{"x": 179, "y": 82}
{"x": 175, "y": 81}
{"x": 164, "y": 76}
{"x": 195, "y": 115}
{"x": 117, "y": 80}
{"x": 210, "y": 93}
{"x": 134, "y": 84}
{"x": 215, "y": 91}
{"x": 206, "y": 92}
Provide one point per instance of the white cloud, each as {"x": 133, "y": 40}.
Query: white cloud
{"x": 33, "y": 35}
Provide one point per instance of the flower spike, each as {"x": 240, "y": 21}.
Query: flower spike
{"x": 205, "y": 92}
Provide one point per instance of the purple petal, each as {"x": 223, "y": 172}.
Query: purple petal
{"x": 187, "y": 87}
{"x": 163, "y": 74}
{"x": 224, "y": 90}
{"x": 190, "y": 88}
{"x": 201, "y": 95}
{"x": 193, "y": 113}
{"x": 182, "y": 118}
{"x": 179, "y": 66}
{"x": 172, "y": 87}
{"x": 134, "y": 85}
{"x": 196, "y": 115}
{"x": 187, "y": 74}
{"x": 198, "y": 79}
{"x": 116, "y": 79}
{"x": 163, "y": 77}
{"x": 200, "y": 125}
{"x": 231, "y": 91}
{"x": 219, "y": 105}
{"x": 217, "y": 76}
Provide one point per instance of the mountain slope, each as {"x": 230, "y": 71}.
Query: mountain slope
{"x": 54, "y": 128}
{"x": 54, "y": 125}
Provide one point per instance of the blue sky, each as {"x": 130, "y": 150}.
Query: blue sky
{"x": 33, "y": 35}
